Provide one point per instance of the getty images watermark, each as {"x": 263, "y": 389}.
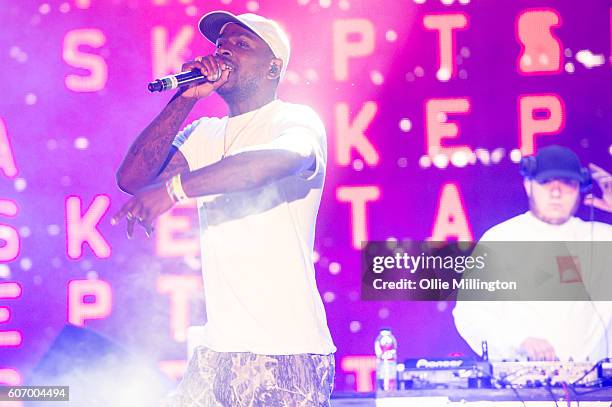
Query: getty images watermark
{"x": 435, "y": 271}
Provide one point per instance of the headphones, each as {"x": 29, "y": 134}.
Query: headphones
{"x": 528, "y": 168}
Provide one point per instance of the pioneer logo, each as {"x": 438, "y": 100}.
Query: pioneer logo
{"x": 438, "y": 364}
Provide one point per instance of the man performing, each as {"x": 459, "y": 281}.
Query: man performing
{"x": 541, "y": 330}
{"x": 258, "y": 175}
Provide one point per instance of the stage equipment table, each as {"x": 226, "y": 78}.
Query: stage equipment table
{"x": 535, "y": 397}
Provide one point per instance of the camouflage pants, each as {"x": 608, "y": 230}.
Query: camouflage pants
{"x": 246, "y": 379}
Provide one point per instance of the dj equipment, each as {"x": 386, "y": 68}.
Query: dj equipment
{"x": 538, "y": 374}
{"x": 604, "y": 372}
{"x": 464, "y": 382}
{"x": 542, "y": 396}
{"x": 470, "y": 373}
{"x": 424, "y": 373}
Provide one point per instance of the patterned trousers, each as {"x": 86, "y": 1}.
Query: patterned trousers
{"x": 245, "y": 379}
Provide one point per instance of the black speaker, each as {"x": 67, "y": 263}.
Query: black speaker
{"x": 98, "y": 372}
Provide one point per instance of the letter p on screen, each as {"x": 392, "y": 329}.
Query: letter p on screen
{"x": 88, "y": 299}
{"x": 353, "y": 37}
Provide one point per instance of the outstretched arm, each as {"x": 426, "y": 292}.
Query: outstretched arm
{"x": 243, "y": 171}
{"x": 250, "y": 169}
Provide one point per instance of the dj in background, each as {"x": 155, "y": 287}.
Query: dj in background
{"x": 546, "y": 330}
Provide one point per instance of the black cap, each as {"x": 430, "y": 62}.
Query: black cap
{"x": 557, "y": 162}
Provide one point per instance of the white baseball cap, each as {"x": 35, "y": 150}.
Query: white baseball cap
{"x": 211, "y": 25}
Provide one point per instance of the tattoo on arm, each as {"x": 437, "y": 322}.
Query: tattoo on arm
{"x": 151, "y": 151}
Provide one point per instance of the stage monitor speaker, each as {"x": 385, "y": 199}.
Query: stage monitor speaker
{"x": 98, "y": 372}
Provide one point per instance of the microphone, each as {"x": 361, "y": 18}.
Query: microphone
{"x": 176, "y": 80}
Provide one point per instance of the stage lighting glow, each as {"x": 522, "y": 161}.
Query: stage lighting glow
{"x": 18, "y": 55}
{"x": 405, "y": 125}
{"x": 30, "y": 99}
{"x": 515, "y": 155}
{"x": 292, "y": 77}
{"x": 377, "y": 77}
{"x": 425, "y": 161}
{"x": 344, "y": 5}
{"x": 20, "y": 184}
{"x": 459, "y": 159}
{"x": 441, "y": 161}
{"x": 5, "y": 271}
{"x": 191, "y": 11}
{"x": 443, "y": 74}
{"x": 497, "y": 155}
{"x": 391, "y": 35}
{"x": 590, "y": 60}
{"x": 44, "y": 8}
{"x": 25, "y": 231}
{"x": 53, "y": 230}
{"x": 252, "y": 6}
{"x": 81, "y": 143}
{"x": 25, "y": 264}
{"x": 334, "y": 268}
{"x": 14, "y": 51}
{"x": 329, "y": 296}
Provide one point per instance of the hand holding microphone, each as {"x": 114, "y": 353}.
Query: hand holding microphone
{"x": 204, "y": 75}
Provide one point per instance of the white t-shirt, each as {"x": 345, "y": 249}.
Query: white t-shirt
{"x": 257, "y": 245}
{"x": 573, "y": 328}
